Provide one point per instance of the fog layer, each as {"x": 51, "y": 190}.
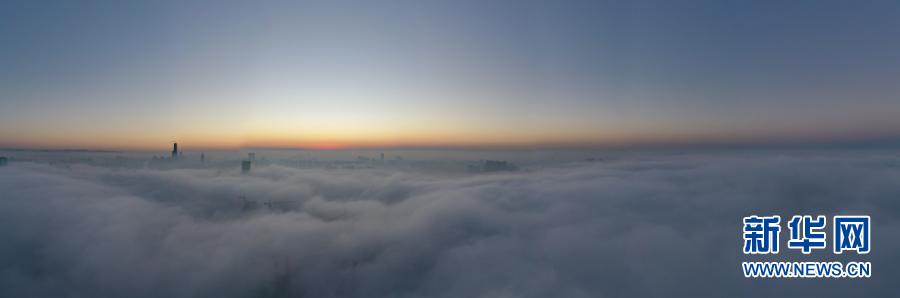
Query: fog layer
{"x": 667, "y": 226}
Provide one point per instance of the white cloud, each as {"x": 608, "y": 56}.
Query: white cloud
{"x": 656, "y": 226}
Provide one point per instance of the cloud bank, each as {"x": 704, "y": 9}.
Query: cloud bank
{"x": 667, "y": 226}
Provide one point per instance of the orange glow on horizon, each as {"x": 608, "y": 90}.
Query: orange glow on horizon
{"x": 414, "y": 137}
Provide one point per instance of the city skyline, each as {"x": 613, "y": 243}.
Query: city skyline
{"x": 449, "y": 148}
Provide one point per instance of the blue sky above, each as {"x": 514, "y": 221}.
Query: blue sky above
{"x": 359, "y": 73}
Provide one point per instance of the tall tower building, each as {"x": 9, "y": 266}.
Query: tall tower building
{"x": 245, "y": 166}
{"x": 175, "y": 151}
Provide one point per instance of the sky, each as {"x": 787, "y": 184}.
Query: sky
{"x": 347, "y": 74}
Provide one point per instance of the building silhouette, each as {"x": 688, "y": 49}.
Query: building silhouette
{"x": 245, "y": 166}
{"x": 175, "y": 151}
{"x": 497, "y": 166}
{"x": 489, "y": 166}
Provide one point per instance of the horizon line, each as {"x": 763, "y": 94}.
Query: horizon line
{"x": 865, "y": 143}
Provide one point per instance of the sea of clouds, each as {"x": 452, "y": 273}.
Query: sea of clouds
{"x": 648, "y": 226}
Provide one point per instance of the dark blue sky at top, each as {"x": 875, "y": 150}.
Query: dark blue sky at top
{"x": 682, "y": 69}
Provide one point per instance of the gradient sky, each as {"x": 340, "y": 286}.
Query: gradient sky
{"x": 327, "y": 74}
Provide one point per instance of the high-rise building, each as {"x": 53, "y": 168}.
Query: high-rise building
{"x": 202, "y": 157}
{"x": 245, "y": 166}
{"x": 175, "y": 151}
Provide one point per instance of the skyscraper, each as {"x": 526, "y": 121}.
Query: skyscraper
{"x": 245, "y": 166}
{"x": 175, "y": 151}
